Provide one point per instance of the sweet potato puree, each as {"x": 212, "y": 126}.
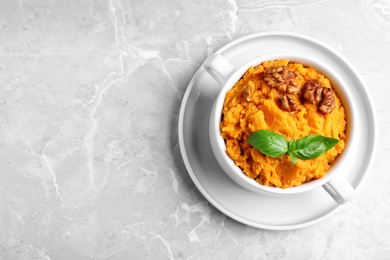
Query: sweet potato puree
{"x": 243, "y": 115}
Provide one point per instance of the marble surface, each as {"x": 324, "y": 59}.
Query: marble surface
{"x": 90, "y": 92}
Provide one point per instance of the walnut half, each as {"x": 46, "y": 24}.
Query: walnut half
{"x": 312, "y": 91}
{"x": 281, "y": 78}
{"x": 248, "y": 90}
{"x": 327, "y": 103}
{"x": 288, "y": 103}
{"x": 315, "y": 93}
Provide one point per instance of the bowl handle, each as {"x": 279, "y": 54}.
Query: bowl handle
{"x": 219, "y": 68}
{"x": 340, "y": 190}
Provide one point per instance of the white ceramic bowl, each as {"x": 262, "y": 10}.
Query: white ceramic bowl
{"x": 333, "y": 182}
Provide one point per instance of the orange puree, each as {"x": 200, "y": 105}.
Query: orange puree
{"x": 242, "y": 116}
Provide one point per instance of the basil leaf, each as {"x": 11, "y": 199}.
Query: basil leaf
{"x": 293, "y": 158}
{"x": 269, "y": 143}
{"x": 276, "y": 145}
{"x": 290, "y": 144}
{"x": 312, "y": 146}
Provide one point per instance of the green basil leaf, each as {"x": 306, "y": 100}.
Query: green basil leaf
{"x": 293, "y": 158}
{"x": 269, "y": 143}
{"x": 290, "y": 144}
{"x": 312, "y": 146}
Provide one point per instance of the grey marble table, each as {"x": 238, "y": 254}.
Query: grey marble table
{"x": 90, "y": 92}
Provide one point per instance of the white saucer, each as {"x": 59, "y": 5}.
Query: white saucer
{"x": 261, "y": 211}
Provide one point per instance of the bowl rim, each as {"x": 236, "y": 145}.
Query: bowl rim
{"x": 218, "y": 143}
